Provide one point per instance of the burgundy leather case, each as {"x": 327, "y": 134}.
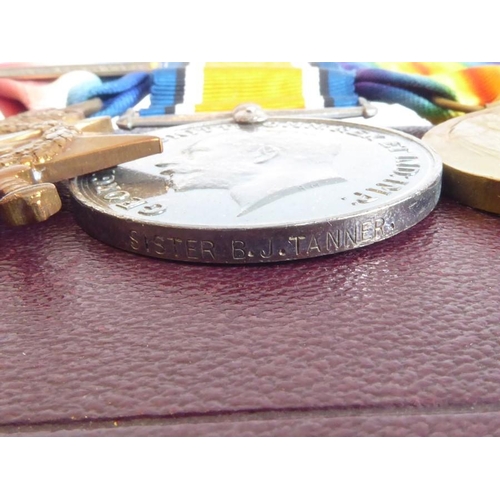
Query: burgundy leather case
{"x": 398, "y": 338}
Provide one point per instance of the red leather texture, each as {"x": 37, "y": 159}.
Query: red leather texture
{"x": 397, "y": 338}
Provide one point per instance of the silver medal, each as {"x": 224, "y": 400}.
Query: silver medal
{"x": 285, "y": 189}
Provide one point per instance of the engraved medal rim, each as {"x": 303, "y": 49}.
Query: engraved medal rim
{"x": 428, "y": 189}
{"x": 102, "y": 225}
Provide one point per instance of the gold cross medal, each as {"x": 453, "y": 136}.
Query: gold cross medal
{"x": 39, "y": 148}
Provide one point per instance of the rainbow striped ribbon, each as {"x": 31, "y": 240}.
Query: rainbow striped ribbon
{"x": 416, "y": 85}
{"x": 472, "y": 83}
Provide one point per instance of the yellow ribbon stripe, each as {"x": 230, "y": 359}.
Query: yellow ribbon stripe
{"x": 273, "y": 85}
